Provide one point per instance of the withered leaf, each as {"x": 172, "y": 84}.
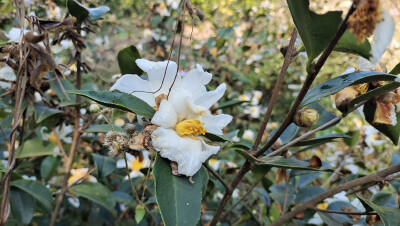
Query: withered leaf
{"x": 315, "y": 162}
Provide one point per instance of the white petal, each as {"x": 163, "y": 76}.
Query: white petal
{"x": 156, "y": 71}
{"x": 208, "y": 99}
{"x": 182, "y": 102}
{"x": 129, "y": 83}
{"x": 215, "y": 123}
{"x": 121, "y": 163}
{"x": 74, "y": 201}
{"x": 195, "y": 81}
{"x": 383, "y": 34}
{"x": 135, "y": 173}
{"x": 7, "y": 73}
{"x": 165, "y": 116}
{"x": 166, "y": 142}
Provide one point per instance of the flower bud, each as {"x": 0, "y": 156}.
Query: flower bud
{"x": 305, "y": 117}
{"x": 277, "y": 144}
{"x": 343, "y": 98}
{"x": 94, "y": 108}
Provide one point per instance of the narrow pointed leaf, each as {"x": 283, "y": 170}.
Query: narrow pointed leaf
{"x": 118, "y": 100}
{"x": 322, "y": 139}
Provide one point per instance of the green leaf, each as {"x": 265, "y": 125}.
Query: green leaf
{"x": 390, "y": 216}
{"x": 65, "y": 85}
{"x": 392, "y": 132}
{"x": 22, "y": 205}
{"x": 384, "y": 199}
{"x": 118, "y": 100}
{"x": 139, "y": 213}
{"x": 373, "y": 93}
{"x": 315, "y": 30}
{"x": 230, "y": 103}
{"x": 179, "y": 200}
{"x": 324, "y": 115}
{"x": 81, "y": 12}
{"x": 322, "y": 139}
{"x": 34, "y": 148}
{"x": 37, "y": 190}
{"x": 126, "y": 60}
{"x": 291, "y": 164}
{"x": 348, "y": 44}
{"x": 336, "y": 84}
{"x": 102, "y": 128}
{"x": 331, "y": 219}
{"x": 97, "y": 193}
{"x": 395, "y": 70}
{"x": 49, "y": 166}
{"x": 43, "y": 112}
{"x": 221, "y": 138}
{"x": 354, "y": 137}
{"x": 105, "y": 165}
{"x": 307, "y": 193}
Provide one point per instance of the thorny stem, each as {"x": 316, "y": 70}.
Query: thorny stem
{"x": 19, "y": 95}
{"x": 376, "y": 177}
{"x": 306, "y": 86}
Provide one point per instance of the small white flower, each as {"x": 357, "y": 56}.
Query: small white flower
{"x": 254, "y": 111}
{"x": 8, "y": 74}
{"x": 181, "y": 118}
{"x": 173, "y": 3}
{"x": 162, "y": 9}
{"x": 80, "y": 175}
{"x": 248, "y": 134}
{"x": 134, "y": 164}
{"x": 94, "y": 108}
{"x": 37, "y": 96}
{"x": 29, "y": 177}
{"x": 119, "y": 122}
{"x": 341, "y": 196}
{"x": 74, "y": 201}
{"x": 62, "y": 131}
{"x": 214, "y": 163}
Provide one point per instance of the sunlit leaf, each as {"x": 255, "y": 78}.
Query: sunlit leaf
{"x": 179, "y": 200}
{"x": 35, "y": 147}
{"x": 118, "y": 100}
{"x": 348, "y": 44}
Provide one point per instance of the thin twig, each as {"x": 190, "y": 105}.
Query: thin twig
{"x": 59, "y": 144}
{"x": 341, "y": 212}
{"x": 147, "y": 177}
{"x": 376, "y": 177}
{"x": 216, "y": 175}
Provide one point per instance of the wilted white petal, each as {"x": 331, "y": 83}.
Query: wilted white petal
{"x": 155, "y": 71}
{"x": 208, "y": 99}
{"x": 165, "y": 116}
{"x": 383, "y": 34}
{"x": 130, "y": 83}
{"x": 215, "y": 123}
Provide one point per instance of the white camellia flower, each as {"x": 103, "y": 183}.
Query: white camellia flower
{"x": 182, "y": 114}
{"x": 134, "y": 164}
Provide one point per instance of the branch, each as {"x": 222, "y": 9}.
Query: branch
{"x": 212, "y": 171}
{"x": 341, "y": 212}
{"x": 376, "y": 177}
{"x": 312, "y": 74}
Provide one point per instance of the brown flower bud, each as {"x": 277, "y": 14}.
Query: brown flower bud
{"x": 343, "y": 98}
{"x": 277, "y": 144}
{"x": 305, "y": 117}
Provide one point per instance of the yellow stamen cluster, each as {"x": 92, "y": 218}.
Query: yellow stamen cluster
{"x": 190, "y": 127}
{"x": 136, "y": 164}
{"x": 53, "y": 138}
{"x": 363, "y": 21}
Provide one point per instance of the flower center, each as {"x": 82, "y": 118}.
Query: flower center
{"x": 136, "y": 164}
{"x": 53, "y": 138}
{"x": 190, "y": 127}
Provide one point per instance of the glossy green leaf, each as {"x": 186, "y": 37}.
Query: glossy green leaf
{"x": 395, "y": 70}
{"x": 384, "y": 199}
{"x": 102, "y": 128}
{"x": 97, "y": 193}
{"x": 322, "y": 139}
{"x": 34, "y": 148}
{"x": 105, "y": 164}
{"x": 230, "y": 103}
{"x": 291, "y": 164}
{"x": 81, "y": 12}
{"x": 37, "y": 190}
{"x": 179, "y": 200}
{"x": 392, "y": 132}
{"x": 43, "y": 112}
{"x": 221, "y": 138}
{"x": 331, "y": 219}
{"x": 354, "y": 137}
{"x": 118, "y": 100}
{"x": 390, "y": 216}
{"x": 373, "y": 93}
{"x": 49, "y": 166}
{"x": 126, "y": 60}
{"x": 348, "y": 44}
{"x": 305, "y": 194}
{"x": 22, "y": 205}
{"x": 139, "y": 213}
{"x": 315, "y": 30}
{"x": 336, "y": 84}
